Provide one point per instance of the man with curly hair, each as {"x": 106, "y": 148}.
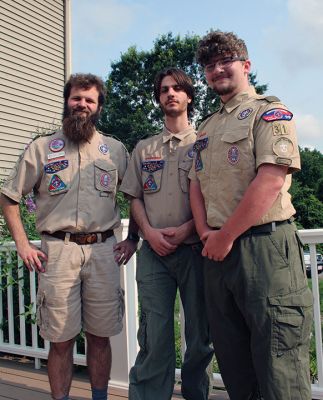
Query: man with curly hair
{"x": 258, "y": 302}
{"x": 74, "y": 173}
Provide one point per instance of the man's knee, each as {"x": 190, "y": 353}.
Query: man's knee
{"x": 62, "y": 348}
{"x": 97, "y": 341}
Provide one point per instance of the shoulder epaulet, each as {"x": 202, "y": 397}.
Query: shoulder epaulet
{"x": 272, "y": 99}
{"x": 43, "y": 135}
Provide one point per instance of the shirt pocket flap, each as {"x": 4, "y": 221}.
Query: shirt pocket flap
{"x": 235, "y": 135}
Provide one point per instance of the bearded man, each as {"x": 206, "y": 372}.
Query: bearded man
{"x": 74, "y": 174}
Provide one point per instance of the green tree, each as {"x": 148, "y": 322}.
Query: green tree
{"x": 130, "y": 112}
{"x": 311, "y": 173}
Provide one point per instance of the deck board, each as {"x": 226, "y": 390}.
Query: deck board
{"x": 19, "y": 380}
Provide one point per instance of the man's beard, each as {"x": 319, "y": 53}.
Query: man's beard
{"x": 79, "y": 128}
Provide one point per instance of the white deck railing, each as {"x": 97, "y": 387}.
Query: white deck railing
{"x": 14, "y": 303}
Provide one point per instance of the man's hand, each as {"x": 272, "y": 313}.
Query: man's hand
{"x": 32, "y": 257}
{"x": 217, "y": 244}
{"x": 124, "y": 250}
{"x": 159, "y": 240}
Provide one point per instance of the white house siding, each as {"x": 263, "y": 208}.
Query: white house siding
{"x": 33, "y": 67}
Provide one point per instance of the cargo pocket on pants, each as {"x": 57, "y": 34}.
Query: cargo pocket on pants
{"x": 42, "y": 311}
{"x": 121, "y": 304}
{"x": 291, "y": 320}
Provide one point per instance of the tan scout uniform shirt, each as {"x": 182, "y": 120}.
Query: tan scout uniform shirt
{"x": 74, "y": 185}
{"x": 249, "y": 130}
{"x": 158, "y": 174}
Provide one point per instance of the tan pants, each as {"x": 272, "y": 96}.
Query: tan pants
{"x": 79, "y": 288}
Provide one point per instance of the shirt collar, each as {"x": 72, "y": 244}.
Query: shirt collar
{"x": 168, "y": 135}
{"x": 235, "y": 102}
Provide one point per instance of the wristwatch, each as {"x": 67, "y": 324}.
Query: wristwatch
{"x": 133, "y": 236}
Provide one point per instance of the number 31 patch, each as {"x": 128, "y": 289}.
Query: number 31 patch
{"x": 280, "y": 129}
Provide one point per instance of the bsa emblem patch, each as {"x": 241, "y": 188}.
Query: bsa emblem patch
{"x": 152, "y": 165}
{"x": 56, "y": 145}
{"x": 105, "y": 180}
{"x": 245, "y": 113}
{"x": 150, "y": 184}
{"x": 56, "y": 184}
{"x": 55, "y": 166}
{"x": 277, "y": 114}
{"x": 103, "y": 148}
{"x": 233, "y": 155}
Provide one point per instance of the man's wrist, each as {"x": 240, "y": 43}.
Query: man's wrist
{"x": 134, "y": 237}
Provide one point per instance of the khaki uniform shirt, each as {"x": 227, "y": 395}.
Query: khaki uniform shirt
{"x": 74, "y": 185}
{"x": 248, "y": 131}
{"x": 158, "y": 174}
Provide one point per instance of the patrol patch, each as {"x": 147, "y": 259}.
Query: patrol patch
{"x": 277, "y": 114}
{"x": 55, "y": 166}
{"x": 150, "y": 184}
{"x": 51, "y": 156}
{"x": 245, "y": 113}
{"x": 56, "y": 184}
{"x": 283, "y": 147}
{"x": 56, "y": 145}
{"x": 152, "y": 165}
{"x": 233, "y": 155}
{"x": 103, "y": 148}
{"x": 105, "y": 180}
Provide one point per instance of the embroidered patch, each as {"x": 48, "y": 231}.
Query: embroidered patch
{"x": 245, "y": 113}
{"x": 280, "y": 129}
{"x": 150, "y": 184}
{"x": 103, "y": 148}
{"x": 56, "y": 184}
{"x": 51, "y": 156}
{"x": 55, "y": 166}
{"x": 277, "y": 114}
{"x": 191, "y": 153}
{"x": 56, "y": 145}
{"x": 201, "y": 134}
{"x": 105, "y": 180}
{"x": 233, "y": 155}
{"x": 152, "y": 165}
{"x": 283, "y": 147}
{"x": 198, "y": 162}
{"x": 201, "y": 144}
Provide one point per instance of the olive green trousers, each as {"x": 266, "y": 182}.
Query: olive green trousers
{"x": 260, "y": 313}
{"x": 152, "y": 376}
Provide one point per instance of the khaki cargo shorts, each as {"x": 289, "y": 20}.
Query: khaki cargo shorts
{"x": 80, "y": 288}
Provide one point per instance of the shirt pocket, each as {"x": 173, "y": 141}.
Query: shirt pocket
{"x": 237, "y": 150}
{"x": 106, "y": 177}
{"x": 184, "y": 168}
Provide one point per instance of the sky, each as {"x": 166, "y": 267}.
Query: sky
{"x": 284, "y": 40}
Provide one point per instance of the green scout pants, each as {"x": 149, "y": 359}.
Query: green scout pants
{"x": 152, "y": 376}
{"x": 260, "y": 313}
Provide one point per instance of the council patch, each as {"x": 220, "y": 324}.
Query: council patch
{"x": 56, "y": 184}
{"x": 152, "y": 165}
{"x": 56, "y": 166}
{"x": 277, "y": 114}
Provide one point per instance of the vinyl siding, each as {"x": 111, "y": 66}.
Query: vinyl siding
{"x": 32, "y": 73}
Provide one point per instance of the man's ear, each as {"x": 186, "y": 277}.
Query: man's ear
{"x": 247, "y": 66}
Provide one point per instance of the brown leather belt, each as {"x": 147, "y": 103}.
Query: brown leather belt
{"x": 82, "y": 238}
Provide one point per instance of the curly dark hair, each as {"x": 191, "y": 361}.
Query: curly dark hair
{"x": 218, "y": 42}
{"x": 85, "y": 81}
{"x": 181, "y": 79}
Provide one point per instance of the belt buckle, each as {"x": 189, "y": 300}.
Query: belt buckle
{"x": 90, "y": 238}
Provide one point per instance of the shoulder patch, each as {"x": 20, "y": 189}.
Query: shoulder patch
{"x": 277, "y": 114}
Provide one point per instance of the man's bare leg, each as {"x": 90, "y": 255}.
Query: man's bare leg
{"x": 60, "y": 368}
{"x": 98, "y": 360}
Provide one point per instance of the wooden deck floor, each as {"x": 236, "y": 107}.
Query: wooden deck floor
{"x": 19, "y": 380}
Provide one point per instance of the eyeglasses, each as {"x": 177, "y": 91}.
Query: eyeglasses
{"x": 223, "y": 63}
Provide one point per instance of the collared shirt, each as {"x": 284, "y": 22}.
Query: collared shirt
{"x": 74, "y": 185}
{"x": 158, "y": 174}
{"x": 248, "y": 131}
